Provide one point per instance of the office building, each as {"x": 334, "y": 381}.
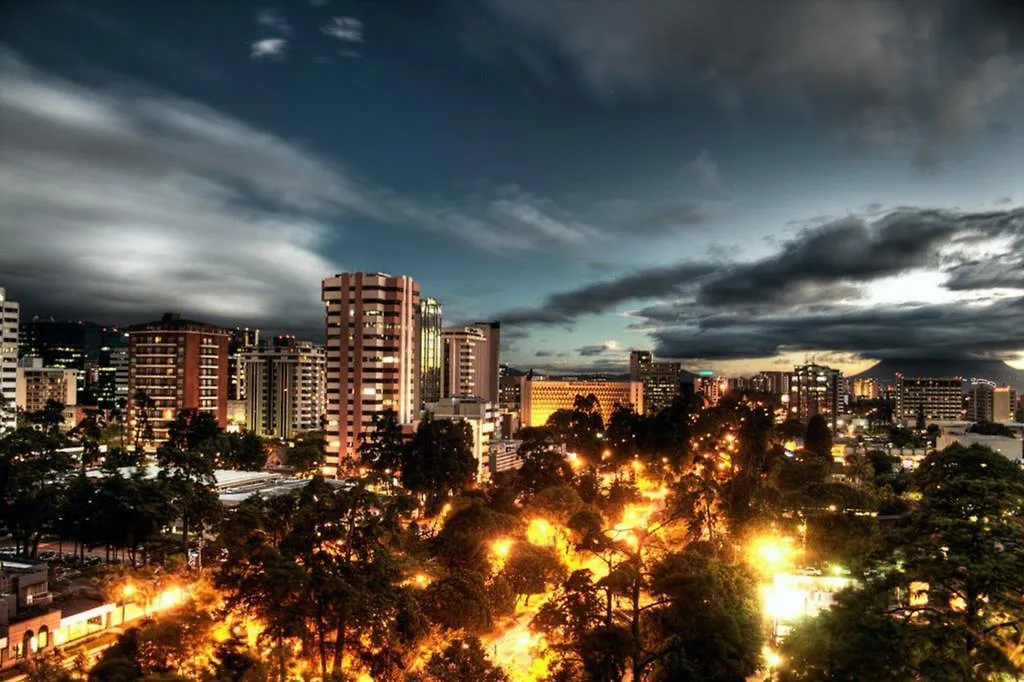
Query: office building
{"x": 38, "y": 385}
{"x": 660, "y": 379}
{"x": 989, "y": 402}
{"x": 9, "y": 333}
{"x": 181, "y": 365}
{"x": 373, "y": 356}
{"x": 109, "y": 377}
{"x": 712, "y": 388}
{"x": 431, "y": 351}
{"x": 540, "y": 397}
{"x": 508, "y": 392}
{"x": 242, "y": 341}
{"x": 285, "y": 388}
{"x": 815, "y": 390}
{"x": 467, "y": 368}
{"x": 928, "y": 399}
{"x": 67, "y": 344}
{"x": 774, "y": 383}
{"x": 484, "y": 420}
{"x": 866, "y": 389}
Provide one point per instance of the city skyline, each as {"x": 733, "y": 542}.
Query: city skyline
{"x": 688, "y": 200}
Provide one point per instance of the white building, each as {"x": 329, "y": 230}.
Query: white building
{"x": 285, "y": 388}
{"x": 373, "y": 356}
{"x": 469, "y": 366}
{"x": 9, "y": 318}
{"x": 38, "y": 385}
{"x": 484, "y": 419}
{"x": 1010, "y": 448}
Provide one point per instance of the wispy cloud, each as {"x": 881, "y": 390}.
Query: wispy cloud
{"x": 273, "y": 19}
{"x": 345, "y": 29}
{"x": 268, "y": 48}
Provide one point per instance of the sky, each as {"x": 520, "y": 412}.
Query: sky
{"x": 737, "y": 184}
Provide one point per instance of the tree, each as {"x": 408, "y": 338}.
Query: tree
{"x": 544, "y": 465}
{"x": 709, "y": 627}
{"x": 308, "y": 454}
{"x": 187, "y": 460}
{"x": 530, "y": 569}
{"x": 244, "y": 451}
{"x": 381, "y": 447}
{"x": 438, "y": 461}
{"x": 581, "y": 428}
{"x": 464, "y": 660}
{"x": 819, "y": 437}
{"x": 459, "y": 602}
{"x": 945, "y": 600}
{"x": 142, "y": 405}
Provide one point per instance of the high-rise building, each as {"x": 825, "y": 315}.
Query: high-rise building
{"x": 38, "y": 384}
{"x": 431, "y": 353}
{"x": 373, "y": 361}
{"x": 931, "y": 399}
{"x": 110, "y": 376}
{"x": 9, "y": 317}
{"x": 468, "y": 368}
{"x": 638, "y": 361}
{"x": 509, "y": 388}
{"x": 815, "y": 389}
{"x": 990, "y": 402}
{"x": 66, "y": 344}
{"x": 774, "y": 382}
{"x": 285, "y": 388}
{"x": 242, "y": 341}
{"x": 660, "y": 379}
{"x": 489, "y": 386}
{"x": 180, "y": 364}
{"x": 866, "y": 389}
{"x": 541, "y": 397}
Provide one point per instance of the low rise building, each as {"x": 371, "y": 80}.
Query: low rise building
{"x": 37, "y": 385}
{"x": 540, "y": 397}
{"x": 1010, "y": 448}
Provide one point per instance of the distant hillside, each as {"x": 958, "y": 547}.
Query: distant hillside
{"x": 993, "y": 370}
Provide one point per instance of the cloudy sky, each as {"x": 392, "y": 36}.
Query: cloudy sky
{"x": 736, "y": 183}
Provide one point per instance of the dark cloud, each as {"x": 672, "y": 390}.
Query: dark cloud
{"x": 952, "y": 330}
{"x": 878, "y": 68}
{"x": 823, "y": 264}
{"x": 564, "y": 307}
{"x": 543, "y": 354}
{"x": 596, "y": 350}
{"x": 1003, "y": 271}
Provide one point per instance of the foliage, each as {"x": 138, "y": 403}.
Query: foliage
{"x": 818, "y": 438}
{"x": 531, "y": 569}
{"x": 438, "y": 461}
{"x": 464, "y": 660}
{"x": 381, "y": 447}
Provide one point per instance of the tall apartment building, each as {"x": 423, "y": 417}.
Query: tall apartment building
{"x": 9, "y": 318}
{"x": 285, "y": 387}
{"x": 933, "y": 399}
{"x": 660, "y": 379}
{"x": 109, "y": 377}
{"x": 540, "y": 397}
{"x": 989, "y": 402}
{"x": 491, "y": 389}
{"x": 242, "y": 341}
{"x": 431, "y": 350}
{"x": 866, "y": 389}
{"x": 373, "y": 355}
{"x": 38, "y": 384}
{"x": 774, "y": 382}
{"x": 815, "y": 389}
{"x": 180, "y": 364}
{"x": 468, "y": 368}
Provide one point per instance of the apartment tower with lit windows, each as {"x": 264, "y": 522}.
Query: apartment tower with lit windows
{"x": 373, "y": 356}
{"x": 181, "y": 365}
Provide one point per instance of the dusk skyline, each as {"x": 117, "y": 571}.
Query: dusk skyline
{"x": 731, "y": 193}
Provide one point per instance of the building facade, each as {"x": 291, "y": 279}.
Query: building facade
{"x": 540, "y": 397}
{"x": 373, "y": 356}
{"x": 866, "y": 389}
{"x": 9, "y": 333}
{"x": 67, "y": 344}
{"x": 484, "y": 420}
{"x": 181, "y": 365}
{"x": 774, "y": 383}
{"x": 285, "y": 388}
{"x": 989, "y": 402}
{"x": 109, "y": 377}
{"x": 431, "y": 350}
{"x": 38, "y": 384}
{"x": 243, "y": 340}
{"x": 815, "y": 390}
{"x": 931, "y": 399}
